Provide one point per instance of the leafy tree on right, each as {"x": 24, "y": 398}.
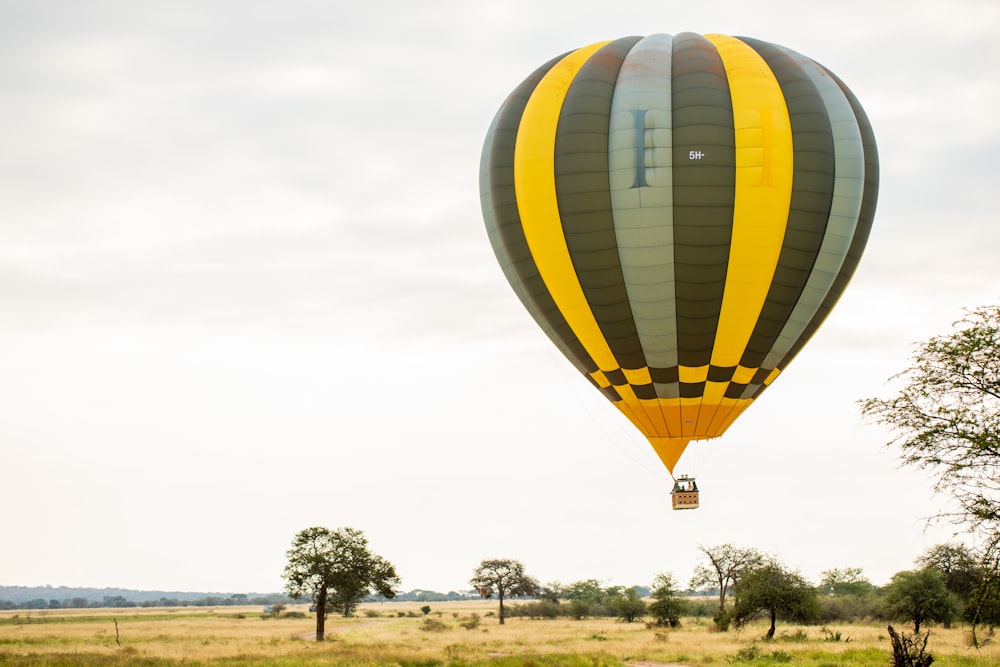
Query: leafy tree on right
{"x": 945, "y": 419}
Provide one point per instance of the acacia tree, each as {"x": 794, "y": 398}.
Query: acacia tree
{"x": 946, "y": 418}
{"x": 502, "y": 577}
{"x": 336, "y": 570}
{"x": 779, "y": 592}
{"x": 725, "y": 565}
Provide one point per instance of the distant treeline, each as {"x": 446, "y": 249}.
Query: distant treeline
{"x": 63, "y": 597}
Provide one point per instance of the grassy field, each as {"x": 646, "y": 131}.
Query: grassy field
{"x": 400, "y": 634}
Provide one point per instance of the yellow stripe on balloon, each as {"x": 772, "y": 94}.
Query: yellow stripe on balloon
{"x": 763, "y": 194}
{"x": 535, "y": 188}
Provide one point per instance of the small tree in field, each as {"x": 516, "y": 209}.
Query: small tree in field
{"x": 502, "y": 577}
{"x": 773, "y": 589}
{"x": 583, "y": 596}
{"x": 335, "y": 569}
{"x": 919, "y": 597}
{"x": 666, "y": 606}
{"x": 628, "y": 605}
{"x": 726, "y": 564}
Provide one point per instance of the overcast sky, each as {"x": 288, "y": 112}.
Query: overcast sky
{"x": 245, "y": 289}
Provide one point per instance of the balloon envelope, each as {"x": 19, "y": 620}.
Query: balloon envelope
{"x": 679, "y": 214}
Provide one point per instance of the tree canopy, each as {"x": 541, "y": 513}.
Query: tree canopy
{"x": 946, "y": 417}
{"x": 336, "y": 570}
{"x": 844, "y": 581}
{"x": 959, "y": 565}
{"x": 725, "y": 565}
{"x": 779, "y": 592}
{"x": 666, "y": 607}
{"x": 918, "y": 596}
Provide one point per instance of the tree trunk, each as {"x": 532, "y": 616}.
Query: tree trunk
{"x": 500, "y": 595}
{"x": 321, "y": 616}
{"x": 774, "y": 617}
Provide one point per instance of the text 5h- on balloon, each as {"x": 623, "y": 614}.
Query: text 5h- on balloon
{"x": 679, "y": 214}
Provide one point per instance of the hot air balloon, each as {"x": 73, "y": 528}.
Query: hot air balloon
{"x": 679, "y": 214}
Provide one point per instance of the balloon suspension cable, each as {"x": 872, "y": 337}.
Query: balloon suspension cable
{"x": 701, "y": 465}
{"x": 708, "y": 457}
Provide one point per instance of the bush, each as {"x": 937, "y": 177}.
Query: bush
{"x": 752, "y": 653}
{"x": 722, "y": 619}
{"x": 543, "y": 609}
{"x": 697, "y": 608}
{"x": 849, "y": 608}
{"x": 579, "y": 608}
{"x": 628, "y": 606}
{"x": 470, "y": 623}
{"x": 433, "y": 625}
{"x": 746, "y": 654}
{"x": 666, "y": 613}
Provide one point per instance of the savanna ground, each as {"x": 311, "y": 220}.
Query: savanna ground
{"x": 398, "y": 633}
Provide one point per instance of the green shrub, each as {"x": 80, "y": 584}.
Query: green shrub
{"x": 433, "y": 625}
{"x": 746, "y": 654}
{"x": 542, "y": 609}
{"x": 471, "y": 623}
{"x": 722, "y": 620}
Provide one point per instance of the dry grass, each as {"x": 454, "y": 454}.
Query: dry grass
{"x": 399, "y": 634}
